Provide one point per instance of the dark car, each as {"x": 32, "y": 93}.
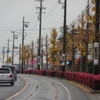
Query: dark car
{"x": 17, "y": 68}
{"x": 13, "y": 69}
{"x": 6, "y": 76}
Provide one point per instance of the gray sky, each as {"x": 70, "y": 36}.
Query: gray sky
{"x": 13, "y": 11}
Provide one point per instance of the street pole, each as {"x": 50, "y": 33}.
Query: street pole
{"x": 22, "y": 43}
{"x": 19, "y": 55}
{"x": 13, "y": 47}
{"x": 64, "y": 36}
{"x": 32, "y": 53}
{"x": 25, "y": 24}
{"x": 42, "y": 53}
{"x": 96, "y": 43}
{"x": 3, "y": 55}
{"x": 64, "y": 39}
{"x": 40, "y": 19}
{"x": 8, "y": 48}
{"x": 46, "y": 45}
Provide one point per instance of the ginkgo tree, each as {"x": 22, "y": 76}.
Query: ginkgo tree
{"x": 54, "y": 49}
{"x": 46, "y": 51}
{"x": 85, "y": 36}
{"x": 28, "y": 54}
{"x": 9, "y": 60}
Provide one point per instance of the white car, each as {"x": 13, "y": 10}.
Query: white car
{"x": 13, "y": 70}
{"x": 6, "y": 76}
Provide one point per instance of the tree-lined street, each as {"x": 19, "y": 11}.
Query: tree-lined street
{"x": 52, "y": 66}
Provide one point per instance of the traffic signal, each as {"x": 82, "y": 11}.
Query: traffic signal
{"x": 6, "y": 51}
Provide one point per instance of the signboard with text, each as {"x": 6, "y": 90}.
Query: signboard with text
{"x": 96, "y": 53}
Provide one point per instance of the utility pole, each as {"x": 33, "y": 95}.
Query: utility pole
{"x": 96, "y": 43}
{"x": 32, "y": 53}
{"x": 40, "y": 19}
{"x": 73, "y": 47}
{"x": 8, "y": 48}
{"x": 3, "y": 56}
{"x": 25, "y": 24}
{"x": 19, "y": 55}
{"x": 42, "y": 53}
{"x": 46, "y": 45}
{"x": 87, "y": 39}
{"x": 64, "y": 37}
{"x": 13, "y": 47}
{"x": 22, "y": 43}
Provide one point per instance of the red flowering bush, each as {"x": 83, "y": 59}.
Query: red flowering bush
{"x": 25, "y": 71}
{"x": 59, "y": 74}
{"x": 29, "y": 71}
{"x": 39, "y": 72}
{"x": 95, "y": 82}
{"x": 90, "y": 80}
{"x": 43, "y": 72}
{"x": 50, "y": 72}
{"x": 35, "y": 71}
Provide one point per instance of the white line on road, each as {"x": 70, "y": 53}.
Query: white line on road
{"x": 69, "y": 95}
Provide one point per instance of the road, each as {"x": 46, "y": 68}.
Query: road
{"x": 42, "y": 88}
{"x": 6, "y": 90}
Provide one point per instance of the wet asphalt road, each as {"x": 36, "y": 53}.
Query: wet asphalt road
{"x": 45, "y": 88}
{"x": 6, "y": 90}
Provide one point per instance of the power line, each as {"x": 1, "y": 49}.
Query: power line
{"x": 50, "y": 12}
{"x": 32, "y": 11}
{"x": 77, "y": 19}
{"x": 33, "y": 27}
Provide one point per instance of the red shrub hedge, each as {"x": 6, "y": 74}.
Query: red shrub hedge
{"x": 59, "y": 74}
{"x": 50, "y": 72}
{"x": 90, "y": 80}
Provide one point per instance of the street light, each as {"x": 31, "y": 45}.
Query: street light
{"x": 25, "y": 24}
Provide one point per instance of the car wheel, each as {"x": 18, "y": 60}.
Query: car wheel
{"x": 16, "y": 79}
{"x": 12, "y": 83}
{"x": 18, "y": 72}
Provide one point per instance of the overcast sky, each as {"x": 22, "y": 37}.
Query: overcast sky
{"x": 13, "y": 11}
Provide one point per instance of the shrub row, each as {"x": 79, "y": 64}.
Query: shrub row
{"x": 90, "y": 80}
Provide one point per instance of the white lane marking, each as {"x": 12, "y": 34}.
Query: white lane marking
{"x": 19, "y": 91}
{"x": 69, "y": 95}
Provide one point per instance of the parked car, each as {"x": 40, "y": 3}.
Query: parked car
{"x": 13, "y": 69}
{"x": 6, "y": 76}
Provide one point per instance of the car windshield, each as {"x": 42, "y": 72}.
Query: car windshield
{"x": 4, "y": 71}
